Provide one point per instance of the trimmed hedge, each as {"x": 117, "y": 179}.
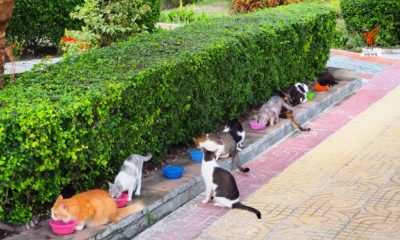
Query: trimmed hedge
{"x": 75, "y": 123}
{"x": 364, "y": 15}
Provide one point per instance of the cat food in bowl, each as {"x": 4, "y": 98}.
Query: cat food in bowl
{"x": 257, "y": 126}
{"x": 196, "y": 155}
{"x": 310, "y": 96}
{"x": 61, "y": 228}
{"x": 172, "y": 171}
{"x": 122, "y": 201}
{"x": 320, "y": 88}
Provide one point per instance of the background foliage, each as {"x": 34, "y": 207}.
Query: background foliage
{"x": 72, "y": 125}
{"x": 364, "y": 15}
{"x": 40, "y": 23}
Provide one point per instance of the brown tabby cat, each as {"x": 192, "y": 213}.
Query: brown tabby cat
{"x": 223, "y": 144}
{"x": 91, "y": 208}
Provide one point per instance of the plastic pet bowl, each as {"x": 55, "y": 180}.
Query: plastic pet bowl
{"x": 257, "y": 126}
{"x": 196, "y": 155}
{"x": 172, "y": 171}
{"x": 320, "y": 88}
{"x": 310, "y": 96}
{"x": 122, "y": 201}
{"x": 61, "y": 228}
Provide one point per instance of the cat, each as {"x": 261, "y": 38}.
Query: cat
{"x": 224, "y": 145}
{"x": 325, "y": 78}
{"x": 277, "y": 107}
{"x": 235, "y": 128}
{"x": 221, "y": 185}
{"x": 91, "y": 208}
{"x": 269, "y": 111}
{"x": 298, "y": 94}
{"x": 129, "y": 177}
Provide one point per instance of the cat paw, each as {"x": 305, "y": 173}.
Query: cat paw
{"x": 79, "y": 227}
{"x": 204, "y": 201}
{"x": 129, "y": 199}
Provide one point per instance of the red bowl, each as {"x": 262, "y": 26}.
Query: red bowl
{"x": 320, "y": 88}
{"x": 61, "y": 228}
{"x": 257, "y": 126}
{"x": 122, "y": 201}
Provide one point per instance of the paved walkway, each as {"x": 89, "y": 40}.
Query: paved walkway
{"x": 339, "y": 181}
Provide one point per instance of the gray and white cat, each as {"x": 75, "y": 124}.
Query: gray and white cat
{"x": 269, "y": 111}
{"x": 129, "y": 177}
{"x": 221, "y": 185}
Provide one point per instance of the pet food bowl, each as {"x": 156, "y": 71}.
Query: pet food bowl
{"x": 257, "y": 126}
{"x": 320, "y": 88}
{"x": 122, "y": 201}
{"x": 172, "y": 171}
{"x": 196, "y": 155}
{"x": 310, "y": 96}
{"x": 61, "y": 228}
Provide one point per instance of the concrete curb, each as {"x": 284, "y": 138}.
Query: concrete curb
{"x": 133, "y": 225}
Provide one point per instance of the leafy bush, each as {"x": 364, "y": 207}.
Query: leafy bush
{"x": 182, "y": 15}
{"x": 76, "y": 42}
{"x": 41, "y": 23}
{"x": 74, "y": 123}
{"x": 243, "y": 6}
{"x": 117, "y": 20}
{"x": 364, "y": 15}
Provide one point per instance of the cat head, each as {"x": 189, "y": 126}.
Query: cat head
{"x": 61, "y": 210}
{"x": 198, "y": 140}
{"x": 115, "y": 189}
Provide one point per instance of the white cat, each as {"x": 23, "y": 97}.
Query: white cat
{"x": 129, "y": 177}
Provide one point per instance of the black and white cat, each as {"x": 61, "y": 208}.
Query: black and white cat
{"x": 221, "y": 185}
{"x": 235, "y": 128}
{"x": 298, "y": 94}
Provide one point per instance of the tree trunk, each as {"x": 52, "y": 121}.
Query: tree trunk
{"x": 6, "y": 8}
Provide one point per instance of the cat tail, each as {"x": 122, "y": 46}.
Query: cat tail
{"x": 239, "y": 205}
{"x": 147, "y": 157}
{"x": 129, "y": 210}
{"x": 297, "y": 124}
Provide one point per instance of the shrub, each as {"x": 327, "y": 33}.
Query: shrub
{"x": 364, "y": 15}
{"x": 182, "y": 15}
{"x": 117, "y": 20}
{"x": 74, "y": 123}
{"x": 41, "y": 23}
{"x": 243, "y": 6}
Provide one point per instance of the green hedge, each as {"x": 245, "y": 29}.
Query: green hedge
{"x": 362, "y": 15}
{"x": 75, "y": 123}
{"x": 40, "y": 23}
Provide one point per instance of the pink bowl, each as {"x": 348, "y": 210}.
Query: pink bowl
{"x": 122, "y": 201}
{"x": 61, "y": 228}
{"x": 257, "y": 126}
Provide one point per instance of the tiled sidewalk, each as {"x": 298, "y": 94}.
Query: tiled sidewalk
{"x": 348, "y": 187}
{"x": 193, "y": 218}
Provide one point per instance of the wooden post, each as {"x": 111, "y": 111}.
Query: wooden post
{"x": 6, "y": 8}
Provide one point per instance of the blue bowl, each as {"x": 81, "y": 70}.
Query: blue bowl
{"x": 172, "y": 171}
{"x": 196, "y": 155}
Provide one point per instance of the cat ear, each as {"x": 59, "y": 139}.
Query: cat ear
{"x": 110, "y": 185}
{"x": 60, "y": 198}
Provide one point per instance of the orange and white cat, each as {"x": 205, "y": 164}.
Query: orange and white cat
{"x": 91, "y": 208}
